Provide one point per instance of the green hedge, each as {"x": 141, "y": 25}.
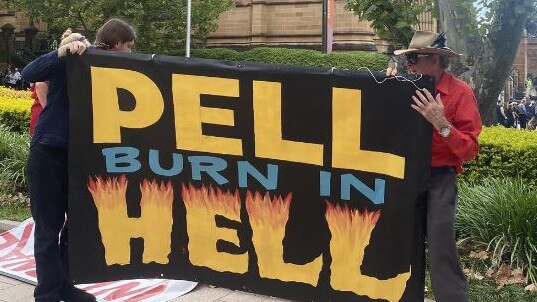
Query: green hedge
{"x": 300, "y": 57}
{"x": 504, "y": 153}
{"x": 15, "y": 109}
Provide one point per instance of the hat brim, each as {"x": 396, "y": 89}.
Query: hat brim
{"x": 431, "y": 50}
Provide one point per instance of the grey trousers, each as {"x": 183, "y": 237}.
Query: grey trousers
{"x": 448, "y": 280}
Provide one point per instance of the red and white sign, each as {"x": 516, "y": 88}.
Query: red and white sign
{"x": 17, "y": 261}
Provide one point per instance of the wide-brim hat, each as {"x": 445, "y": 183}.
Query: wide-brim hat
{"x": 426, "y": 42}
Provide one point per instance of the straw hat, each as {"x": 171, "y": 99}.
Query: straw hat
{"x": 427, "y": 42}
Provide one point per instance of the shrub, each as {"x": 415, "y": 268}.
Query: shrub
{"x": 501, "y": 213}
{"x": 301, "y": 57}
{"x": 14, "y": 148}
{"x": 15, "y": 109}
{"x": 504, "y": 152}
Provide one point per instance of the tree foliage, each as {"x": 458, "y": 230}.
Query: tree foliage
{"x": 391, "y": 19}
{"x": 486, "y": 32}
{"x": 160, "y": 23}
{"x": 489, "y": 44}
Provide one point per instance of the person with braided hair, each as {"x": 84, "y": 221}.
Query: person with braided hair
{"x": 47, "y": 162}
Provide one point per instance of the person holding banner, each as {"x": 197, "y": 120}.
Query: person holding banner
{"x": 47, "y": 161}
{"x": 452, "y": 110}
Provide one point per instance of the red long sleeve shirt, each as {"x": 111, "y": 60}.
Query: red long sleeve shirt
{"x": 35, "y": 110}
{"x": 460, "y": 107}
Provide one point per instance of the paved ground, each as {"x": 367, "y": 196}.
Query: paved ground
{"x": 15, "y": 291}
{"x": 12, "y": 290}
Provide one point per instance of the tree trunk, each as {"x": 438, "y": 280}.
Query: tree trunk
{"x": 487, "y": 62}
{"x": 456, "y": 22}
{"x": 494, "y": 65}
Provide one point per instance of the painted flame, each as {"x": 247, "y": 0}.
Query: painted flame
{"x": 109, "y": 193}
{"x": 202, "y": 205}
{"x": 351, "y": 233}
{"x": 268, "y": 217}
{"x": 154, "y": 224}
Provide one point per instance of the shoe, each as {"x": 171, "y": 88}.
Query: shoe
{"x": 73, "y": 294}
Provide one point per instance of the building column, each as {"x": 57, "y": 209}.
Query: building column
{"x": 29, "y": 38}
{"x": 259, "y": 24}
{"x": 8, "y": 41}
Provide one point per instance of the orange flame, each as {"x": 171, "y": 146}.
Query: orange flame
{"x": 108, "y": 193}
{"x": 212, "y": 200}
{"x": 351, "y": 225}
{"x": 264, "y": 211}
{"x": 156, "y": 195}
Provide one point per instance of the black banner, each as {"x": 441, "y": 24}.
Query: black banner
{"x": 294, "y": 182}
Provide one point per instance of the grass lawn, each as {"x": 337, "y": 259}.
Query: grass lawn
{"x": 486, "y": 291}
{"x": 15, "y": 212}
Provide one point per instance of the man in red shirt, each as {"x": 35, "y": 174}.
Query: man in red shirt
{"x": 452, "y": 111}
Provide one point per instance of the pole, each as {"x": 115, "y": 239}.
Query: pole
{"x": 325, "y": 23}
{"x": 188, "y": 17}
{"x": 330, "y": 7}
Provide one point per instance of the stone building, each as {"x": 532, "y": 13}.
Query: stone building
{"x": 253, "y": 23}
{"x": 296, "y": 23}
{"x": 20, "y": 39}
{"x": 525, "y": 62}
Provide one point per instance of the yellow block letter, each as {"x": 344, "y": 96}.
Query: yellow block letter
{"x": 116, "y": 228}
{"x": 107, "y": 117}
{"x": 268, "y": 218}
{"x": 268, "y": 129}
{"x": 189, "y": 114}
{"x": 202, "y": 206}
{"x": 346, "y": 137}
{"x": 351, "y": 232}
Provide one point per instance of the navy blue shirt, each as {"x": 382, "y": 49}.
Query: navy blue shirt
{"x": 52, "y": 127}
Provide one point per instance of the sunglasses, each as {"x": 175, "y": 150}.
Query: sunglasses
{"x": 413, "y": 57}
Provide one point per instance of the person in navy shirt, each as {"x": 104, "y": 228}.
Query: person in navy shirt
{"x": 47, "y": 161}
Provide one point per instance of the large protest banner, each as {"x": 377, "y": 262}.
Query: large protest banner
{"x": 293, "y": 182}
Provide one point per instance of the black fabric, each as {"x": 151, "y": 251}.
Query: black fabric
{"x": 47, "y": 182}
{"x": 387, "y": 124}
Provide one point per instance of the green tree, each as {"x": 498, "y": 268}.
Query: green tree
{"x": 391, "y": 19}
{"x": 486, "y": 32}
{"x": 160, "y": 23}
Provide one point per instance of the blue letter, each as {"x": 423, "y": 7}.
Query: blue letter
{"x": 245, "y": 169}
{"x": 212, "y": 166}
{"x": 324, "y": 178}
{"x": 154, "y": 164}
{"x": 121, "y": 159}
{"x": 377, "y": 196}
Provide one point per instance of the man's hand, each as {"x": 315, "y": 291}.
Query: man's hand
{"x": 432, "y": 109}
{"x": 75, "y": 47}
{"x": 391, "y": 71}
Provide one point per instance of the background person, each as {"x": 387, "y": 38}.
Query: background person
{"x": 501, "y": 117}
{"x": 39, "y": 95}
